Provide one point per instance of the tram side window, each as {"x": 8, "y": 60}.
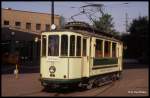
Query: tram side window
{"x": 72, "y": 45}
{"x": 53, "y": 45}
{"x": 107, "y": 49}
{"x": 78, "y": 48}
{"x": 64, "y": 45}
{"x": 84, "y": 47}
{"x": 99, "y": 48}
{"x": 113, "y": 49}
{"x": 44, "y": 45}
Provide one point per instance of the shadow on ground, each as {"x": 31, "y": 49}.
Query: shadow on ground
{"x": 63, "y": 90}
{"x": 70, "y": 89}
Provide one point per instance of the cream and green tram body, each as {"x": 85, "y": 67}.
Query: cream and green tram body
{"x": 79, "y": 57}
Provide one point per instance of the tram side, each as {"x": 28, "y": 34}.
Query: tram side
{"x": 106, "y": 56}
{"x": 70, "y": 57}
{"x": 104, "y": 61}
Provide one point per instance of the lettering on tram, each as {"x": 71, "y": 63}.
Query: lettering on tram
{"x": 79, "y": 56}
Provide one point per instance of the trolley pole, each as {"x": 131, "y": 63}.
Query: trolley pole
{"x": 126, "y": 22}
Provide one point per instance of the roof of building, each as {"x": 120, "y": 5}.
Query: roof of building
{"x": 27, "y": 11}
{"x": 19, "y": 35}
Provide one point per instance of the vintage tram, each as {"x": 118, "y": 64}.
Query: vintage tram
{"x": 79, "y": 56}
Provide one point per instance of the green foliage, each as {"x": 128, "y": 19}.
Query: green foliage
{"x": 104, "y": 23}
{"x": 137, "y": 40}
{"x": 139, "y": 27}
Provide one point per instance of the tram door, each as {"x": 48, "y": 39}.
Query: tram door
{"x": 85, "y": 56}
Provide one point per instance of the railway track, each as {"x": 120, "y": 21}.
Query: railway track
{"x": 96, "y": 91}
{"x": 104, "y": 88}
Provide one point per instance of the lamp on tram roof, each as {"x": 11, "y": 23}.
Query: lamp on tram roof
{"x": 53, "y": 27}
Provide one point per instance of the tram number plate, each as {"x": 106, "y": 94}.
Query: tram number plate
{"x": 52, "y": 59}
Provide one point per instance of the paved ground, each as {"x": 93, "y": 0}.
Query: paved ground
{"x": 133, "y": 83}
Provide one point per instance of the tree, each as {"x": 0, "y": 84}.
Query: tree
{"x": 104, "y": 23}
{"x": 137, "y": 41}
{"x": 139, "y": 27}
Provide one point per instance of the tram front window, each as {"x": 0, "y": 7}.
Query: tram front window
{"x": 53, "y": 45}
{"x": 78, "y": 47}
{"x": 44, "y": 45}
{"x": 64, "y": 45}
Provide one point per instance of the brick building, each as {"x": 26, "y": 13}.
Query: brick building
{"x": 19, "y": 30}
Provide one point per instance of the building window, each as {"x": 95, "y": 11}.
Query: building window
{"x": 64, "y": 45}
{"x": 18, "y": 24}
{"x": 78, "y": 48}
{"x": 28, "y": 26}
{"x": 113, "y": 49}
{"x": 72, "y": 45}
{"x": 99, "y": 48}
{"x": 107, "y": 49}
{"x": 44, "y": 45}
{"x": 84, "y": 47}
{"x": 47, "y": 27}
{"x": 38, "y": 26}
{"x": 53, "y": 45}
{"x": 6, "y": 22}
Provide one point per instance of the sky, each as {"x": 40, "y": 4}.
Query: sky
{"x": 69, "y": 8}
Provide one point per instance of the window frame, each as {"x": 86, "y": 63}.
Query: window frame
{"x": 38, "y": 24}
{"x": 64, "y": 44}
{"x": 115, "y": 50}
{"x": 78, "y": 47}
{"x": 45, "y": 46}
{"x": 28, "y": 25}
{"x": 74, "y": 47}
{"x": 109, "y": 49}
{"x": 58, "y": 46}
{"x": 17, "y": 24}
{"x": 101, "y": 48}
{"x": 84, "y": 45}
{"x": 6, "y": 21}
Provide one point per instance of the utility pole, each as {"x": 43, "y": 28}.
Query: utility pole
{"x": 126, "y": 22}
{"x": 53, "y": 26}
{"x": 52, "y": 13}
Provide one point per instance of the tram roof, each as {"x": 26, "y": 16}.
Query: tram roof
{"x": 87, "y": 33}
{"x": 85, "y": 29}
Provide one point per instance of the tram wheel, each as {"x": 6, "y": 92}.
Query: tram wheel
{"x": 89, "y": 84}
{"x": 118, "y": 76}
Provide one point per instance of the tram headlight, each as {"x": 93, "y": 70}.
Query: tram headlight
{"x": 52, "y": 69}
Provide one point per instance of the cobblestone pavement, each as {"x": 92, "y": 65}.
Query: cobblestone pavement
{"x": 133, "y": 83}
